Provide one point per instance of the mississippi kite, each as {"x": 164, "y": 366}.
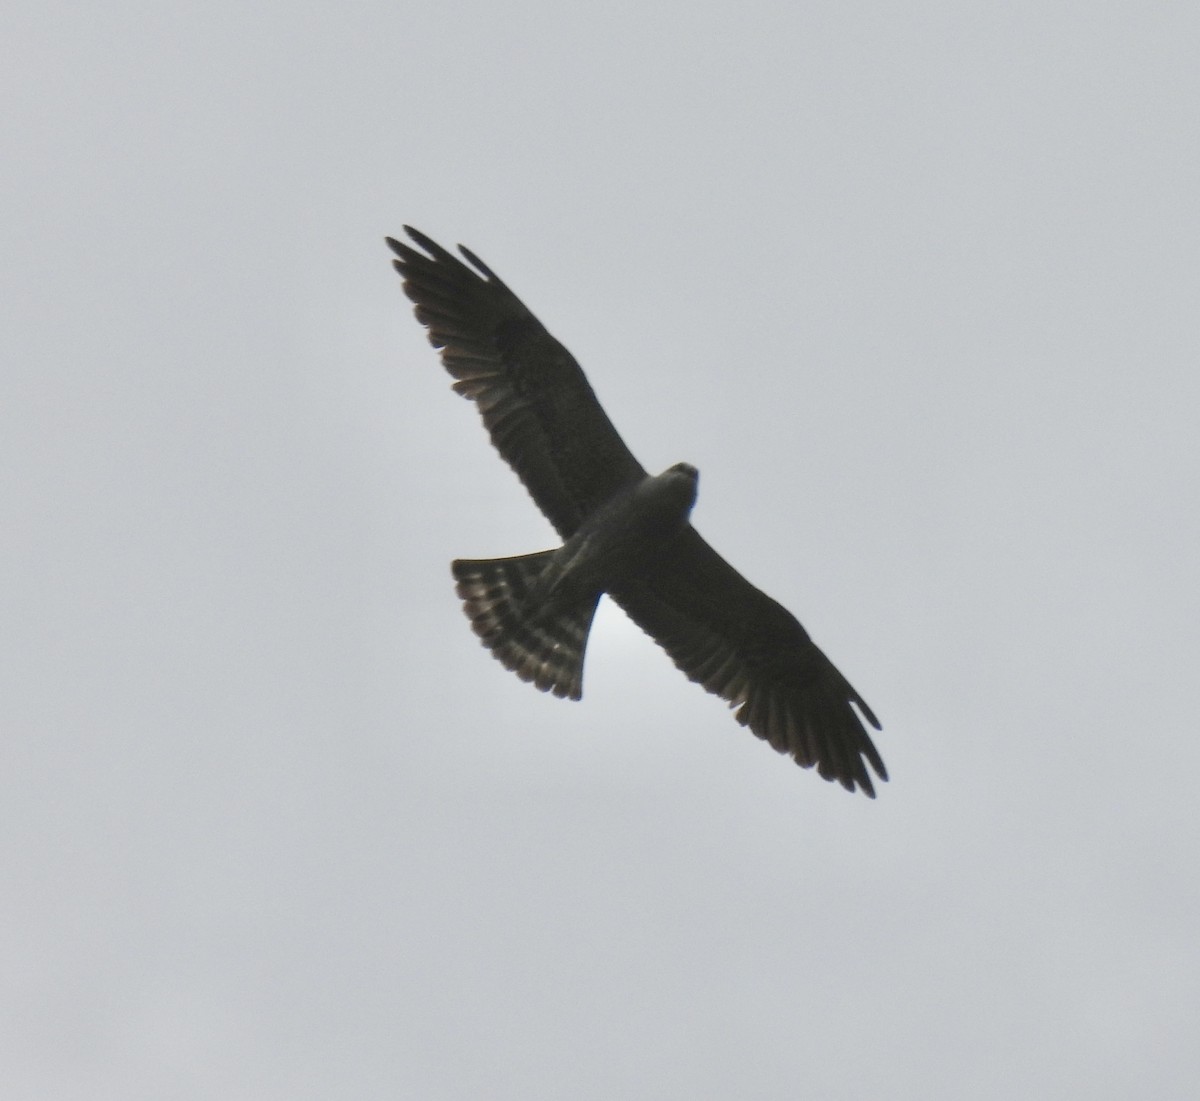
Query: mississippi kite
{"x": 625, "y": 533}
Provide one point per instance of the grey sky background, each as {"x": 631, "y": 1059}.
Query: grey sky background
{"x": 914, "y": 286}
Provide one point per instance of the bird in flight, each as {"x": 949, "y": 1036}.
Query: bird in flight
{"x": 625, "y": 533}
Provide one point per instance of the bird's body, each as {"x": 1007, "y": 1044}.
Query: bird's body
{"x": 534, "y": 611}
{"x": 630, "y": 533}
{"x": 624, "y": 532}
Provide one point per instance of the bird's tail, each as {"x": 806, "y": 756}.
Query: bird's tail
{"x": 536, "y": 640}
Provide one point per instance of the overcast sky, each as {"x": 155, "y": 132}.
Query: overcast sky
{"x": 914, "y": 286}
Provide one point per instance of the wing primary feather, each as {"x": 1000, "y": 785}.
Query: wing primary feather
{"x": 483, "y": 268}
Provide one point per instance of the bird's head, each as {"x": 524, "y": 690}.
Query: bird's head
{"x": 680, "y": 483}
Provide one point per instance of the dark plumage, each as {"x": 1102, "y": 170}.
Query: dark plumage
{"x": 625, "y": 533}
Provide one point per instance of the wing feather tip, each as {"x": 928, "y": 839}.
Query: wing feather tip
{"x": 478, "y": 264}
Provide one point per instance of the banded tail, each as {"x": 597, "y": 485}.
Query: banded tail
{"x": 538, "y": 642}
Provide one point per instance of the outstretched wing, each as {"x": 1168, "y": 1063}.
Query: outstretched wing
{"x": 534, "y": 399}
{"x": 741, "y": 645}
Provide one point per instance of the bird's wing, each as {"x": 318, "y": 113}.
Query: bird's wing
{"x": 741, "y": 645}
{"x": 534, "y": 399}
